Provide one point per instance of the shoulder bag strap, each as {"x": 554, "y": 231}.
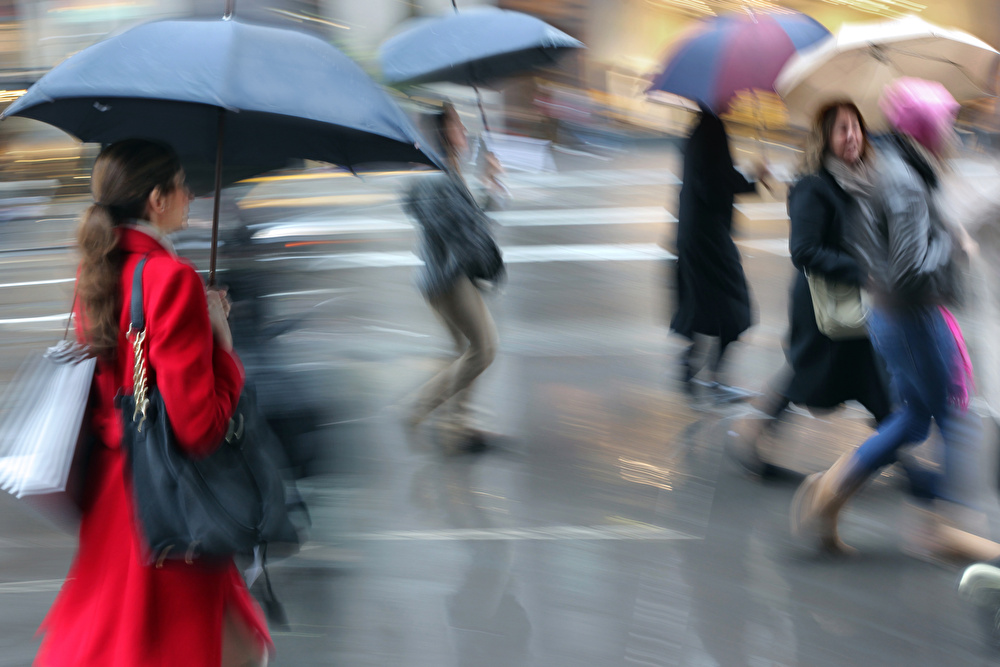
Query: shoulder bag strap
{"x": 138, "y": 318}
{"x": 137, "y": 333}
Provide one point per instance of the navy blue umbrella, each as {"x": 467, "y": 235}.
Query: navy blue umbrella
{"x": 476, "y": 47}
{"x": 721, "y": 56}
{"x": 232, "y": 98}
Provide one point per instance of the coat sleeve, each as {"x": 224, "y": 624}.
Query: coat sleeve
{"x": 741, "y": 185}
{"x": 199, "y": 381}
{"x": 812, "y": 211}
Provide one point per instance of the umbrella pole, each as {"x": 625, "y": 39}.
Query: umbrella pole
{"x": 758, "y": 124}
{"x": 482, "y": 110}
{"x": 486, "y": 125}
{"x": 218, "y": 196}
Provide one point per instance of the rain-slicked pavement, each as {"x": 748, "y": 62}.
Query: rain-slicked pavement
{"x": 609, "y": 529}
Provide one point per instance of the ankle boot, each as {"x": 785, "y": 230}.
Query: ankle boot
{"x": 817, "y": 503}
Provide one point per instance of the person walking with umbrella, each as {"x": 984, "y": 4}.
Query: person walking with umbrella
{"x": 714, "y": 62}
{"x": 459, "y": 253}
{"x": 116, "y": 608}
{"x": 822, "y": 206}
{"x": 907, "y": 251}
{"x": 712, "y": 294}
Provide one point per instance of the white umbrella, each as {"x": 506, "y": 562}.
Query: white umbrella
{"x": 862, "y": 58}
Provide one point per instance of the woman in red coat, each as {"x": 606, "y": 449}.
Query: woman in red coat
{"x": 115, "y": 610}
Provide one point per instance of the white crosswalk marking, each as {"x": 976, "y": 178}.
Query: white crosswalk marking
{"x": 32, "y": 320}
{"x": 627, "y": 215}
{"x": 615, "y": 532}
{"x": 777, "y": 247}
{"x": 765, "y": 210}
{"x": 584, "y": 252}
{"x": 40, "y": 586}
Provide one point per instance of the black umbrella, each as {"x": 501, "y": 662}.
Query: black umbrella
{"x": 477, "y": 47}
{"x": 234, "y": 97}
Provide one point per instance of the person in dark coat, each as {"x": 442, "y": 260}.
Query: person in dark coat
{"x": 712, "y": 294}
{"x": 821, "y": 206}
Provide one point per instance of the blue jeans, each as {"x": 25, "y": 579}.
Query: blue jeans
{"x": 922, "y": 357}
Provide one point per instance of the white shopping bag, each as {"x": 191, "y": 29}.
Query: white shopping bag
{"x": 42, "y": 440}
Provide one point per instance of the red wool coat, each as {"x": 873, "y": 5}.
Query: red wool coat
{"x": 113, "y": 610}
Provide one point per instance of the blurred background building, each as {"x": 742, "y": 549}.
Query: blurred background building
{"x": 601, "y": 89}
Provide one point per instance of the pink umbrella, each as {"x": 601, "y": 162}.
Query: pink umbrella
{"x": 742, "y": 51}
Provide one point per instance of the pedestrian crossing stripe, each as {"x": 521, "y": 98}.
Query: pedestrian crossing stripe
{"x": 564, "y": 532}
{"x": 628, "y": 215}
{"x": 584, "y": 252}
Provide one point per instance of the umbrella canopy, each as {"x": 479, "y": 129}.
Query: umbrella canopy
{"x": 284, "y": 94}
{"x": 723, "y": 55}
{"x": 864, "y": 57}
{"x": 476, "y": 47}
{"x": 224, "y": 92}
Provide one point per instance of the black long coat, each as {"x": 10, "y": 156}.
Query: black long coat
{"x": 826, "y": 372}
{"x": 712, "y": 294}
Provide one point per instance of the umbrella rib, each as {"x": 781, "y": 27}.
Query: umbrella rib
{"x": 946, "y": 61}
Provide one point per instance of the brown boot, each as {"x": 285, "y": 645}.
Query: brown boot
{"x": 817, "y": 503}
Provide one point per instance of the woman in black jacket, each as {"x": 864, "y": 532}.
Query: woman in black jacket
{"x": 821, "y": 206}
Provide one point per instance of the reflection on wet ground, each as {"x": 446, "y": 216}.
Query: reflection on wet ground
{"x": 608, "y": 530}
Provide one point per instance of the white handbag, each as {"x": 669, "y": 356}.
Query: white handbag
{"x": 840, "y": 308}
{"x": 43, "y": 442}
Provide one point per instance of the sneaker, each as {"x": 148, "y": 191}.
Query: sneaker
{"x": 724, "y": 394}
{"x": 980, "y": 582}
{"x": 980, "y": 585}
{"x": 744, "y": 453}
{"x": 699, "y": 394}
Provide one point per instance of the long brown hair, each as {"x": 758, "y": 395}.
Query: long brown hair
{"x": 444, "y": 119}
{"x": 124, "y": 175}
{"x": 819, "y": 141}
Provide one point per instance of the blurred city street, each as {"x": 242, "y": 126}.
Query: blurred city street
{"x": 608, "y": 528}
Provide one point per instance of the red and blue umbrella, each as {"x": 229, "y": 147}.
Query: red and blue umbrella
{"x": 726, "y": 54}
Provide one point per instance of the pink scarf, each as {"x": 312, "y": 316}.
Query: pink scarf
{"x": 963, "y": 381}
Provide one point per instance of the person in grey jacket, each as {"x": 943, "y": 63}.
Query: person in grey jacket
{"x": 457, "y": 246}
{"x": 908, "y": 254}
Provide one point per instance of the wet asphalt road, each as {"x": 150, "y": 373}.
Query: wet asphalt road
{"x": 609, "y": 530}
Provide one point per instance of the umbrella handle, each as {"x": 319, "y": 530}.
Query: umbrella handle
{"x": 220, "y": 133}
{"x": 759, "y": 121}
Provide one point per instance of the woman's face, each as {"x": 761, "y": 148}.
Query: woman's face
{"x": 846, "y": 139}
{"x": 169, "y": 211}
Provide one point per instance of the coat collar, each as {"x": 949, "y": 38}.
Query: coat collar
{"x": 136, "y": 239}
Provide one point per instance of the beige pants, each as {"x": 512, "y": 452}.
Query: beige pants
{"x": 464, "y": 314}
{"x": 240, "y": 648}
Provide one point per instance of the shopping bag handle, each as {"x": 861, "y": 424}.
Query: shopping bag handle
{"x": 72, "y": 309}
